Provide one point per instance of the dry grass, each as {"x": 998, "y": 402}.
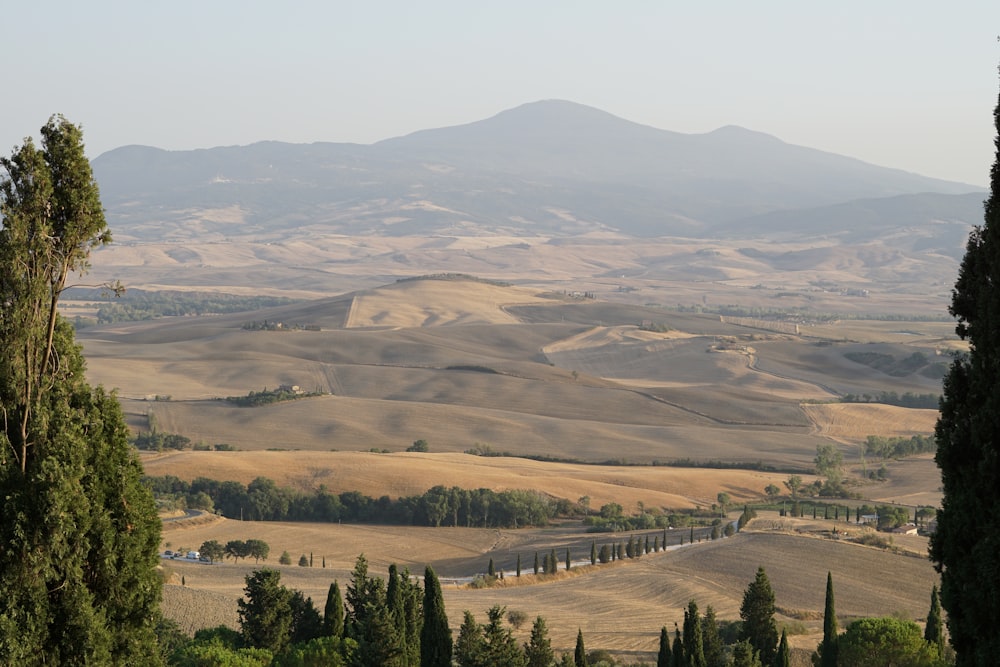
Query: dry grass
{"x": 856, "y": 421}
{"x": 405, "y": 474}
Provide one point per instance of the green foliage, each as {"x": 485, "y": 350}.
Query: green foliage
{"x": 333, "y": 612}
{"x": 694, "y": 647}
{"x": 157, "y": 442}
{"x": 715, "y": 655}
{"x": 285, "y": 558}
{"x": 435, "y": 635}
{"x": 826, "y": 652}
{"x": 470, "y": 648}
{"x": 419, "y": 446}
{"x": 80, "y": 534}
{"x": 136, "y": 304}
{"x": 266, "y": 611}
{"x": 303, "y": 561}
{"x": 663, "y": 655}
{"x": 907, "y": 400}
{"x": 757, "y": 612}
{"x": 897, "y": 448}
{"x": 828, "y": 461}
{"x": 213, "y": 653}
{"x": 212, "y": 550}
{"x": 269, "y": 396}
{"x": 745, "y": 655}
{"x": 580, "y": 652}
{"x": 884, "y": 641}
{"x": 538, "y": 651}
{"x": 934, "y": 628}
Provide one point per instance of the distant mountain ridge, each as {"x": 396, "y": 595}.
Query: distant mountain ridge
{"x": 549, "y": 168}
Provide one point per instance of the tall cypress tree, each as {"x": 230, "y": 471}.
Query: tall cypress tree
{"x": 435, "y": 636}
{"x": 715, "y": 652}
{"x": 934, "y": 630}
{"x": 826, "y": 652}
{"x": 580, "y": 653}
{"x": 80, "y": 537}
{"x": 663, "y": 656}
{"x": 677, "y": 648}
{"x": 783, "y": 658}
{"x": 694, "y": 647}
{"x": 966, "y": 545}
{"x": 333, "y": 612}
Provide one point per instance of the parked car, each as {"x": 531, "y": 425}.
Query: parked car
{"x": 168, "y": 554}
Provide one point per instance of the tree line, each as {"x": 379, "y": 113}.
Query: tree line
{"x": 263, "y": 500}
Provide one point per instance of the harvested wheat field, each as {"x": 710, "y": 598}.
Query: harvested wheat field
{"x": 854, "y": 422}
{"x": 619, "y": 606}
{"x": 405, "y": 474}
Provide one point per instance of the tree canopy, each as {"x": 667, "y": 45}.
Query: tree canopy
{"x": 79, "y": 540}
{"x": 966, "y": 545}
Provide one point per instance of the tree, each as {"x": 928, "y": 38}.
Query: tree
{"x": 885, "y": 641}
{"x": 538, "y": 650}
{"x": 470, "y": 648}
{"x": 517, "y": 568}
{"x": 934, "y": 629}
{"x": 237, "y": 549}
{"x": 723, "y": 500}
{"x": 501, "y": 647}
{"x": 212, "y": 550}
{"x": 828, "y": 461}
{"x": 285, "y": 558}
{"x": 435, "y": 636}
{"x": 966, "y": 545}
{"x": 80, "y": 533}
{"x": 663, "y": 655}
{"x": 826, "y": 652}
{"x": 419, "y": 446}
{"x": 303, "y": 561}
{"x": 745, "y": 655}
{"x": 757, "y": 612}
{"x": 677, "y": 648}
{"x": 259, "y": 550}
{"x": 333, "y": 612}
{"x": 580, "y": 653}
{"x": 715, "y": 653}
{"x": 793, "y": 483}
{"x": 694, "y": 647}
{"x": 772, "y": 491}
{"x": 783, "y": 658}
{"x": 266, "y": 611}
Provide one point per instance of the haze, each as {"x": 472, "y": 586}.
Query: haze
{"x": 900, "y": 84}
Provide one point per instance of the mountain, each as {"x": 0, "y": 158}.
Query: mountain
{"x": 551, "y": 168}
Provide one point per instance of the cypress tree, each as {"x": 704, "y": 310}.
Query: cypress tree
{"x": 333, "y": 612}
{"x": 783, "y": 658}
{"x": 965, "y": 546}
{"x": 593, "y": 553}
{"x": 934, "y": 630}
{"x": 568, "y": 561}
{"x": 580, "y": 653}
{"x": 470, "y": 648}
{"x": 80, "y": 536}
{"x": 694, "y": 647}
{"x": 435, "y": 636}
{"x": 715, "y": 653}
{"x": 826, "y": 652}
{"x": 536, "y": 562}
{"x": 663, "y": 657}
{"x": 519, "y": 565}
{"x": 492, "y": 569}
{"x": 757, "y": 612}
{"x": 678, "y": 648}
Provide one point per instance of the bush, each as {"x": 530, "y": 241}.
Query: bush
{"x": 286, "y": 558}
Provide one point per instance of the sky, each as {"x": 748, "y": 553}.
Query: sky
{"x": 909, "y": 84}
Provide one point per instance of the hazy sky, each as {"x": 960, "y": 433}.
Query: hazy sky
{"x": 901, "y": 83}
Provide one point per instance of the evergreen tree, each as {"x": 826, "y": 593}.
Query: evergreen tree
{"x": 745, "y": 655}
{"x": 568, "y": 561}
{"x": 663, "y": 657}
{"x": 435, "y": 636}
{"x": 783, "y": 658}
{"x": 694, "y": 648}
{"x": 413, "y": 616}
{"x": 333, "y": 612}
{"x": 519, "y": 565}
{"x": 396, "y": 605}
{"x": 966, "y": 546}
{"x": 501, "y": 647}
{"x": 678, "y": 648}
{"x": 536, "y": 562}
{"x": 266, "y": 611}
{"x": 580, "y": 653}
{"x": 470, "y": 648}
{"x": 80, "y": 535}
{"x": 934, "y": 630}
{"x": 715, "y": 653}
{"x": 492, "y": 570}
{"x": 538, "y": 650}
{"x": 593, "y": 553}
{"x": 826, "y": 652}
{"x": 757, "y": 612}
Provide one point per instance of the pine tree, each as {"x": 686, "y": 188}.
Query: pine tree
{"x": 826, "y": 652}
{"x": 663, "y": 657}
{"x": 965, "y": 546}
{"x": 757, "y": 612}
{"x": 435, "y": 636}
{"x": 538, "y": 651}
{"x": 470, "y": 648}
{"x": 501, "y": 648}
{"x": 266, "y": 611}
{"x": 934, "y": 630}
{"x": 580, "y": 653}
{"x": 333, "y": 612}
{"x": 80, "y": 535}
{"x": 677, "y": 649}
